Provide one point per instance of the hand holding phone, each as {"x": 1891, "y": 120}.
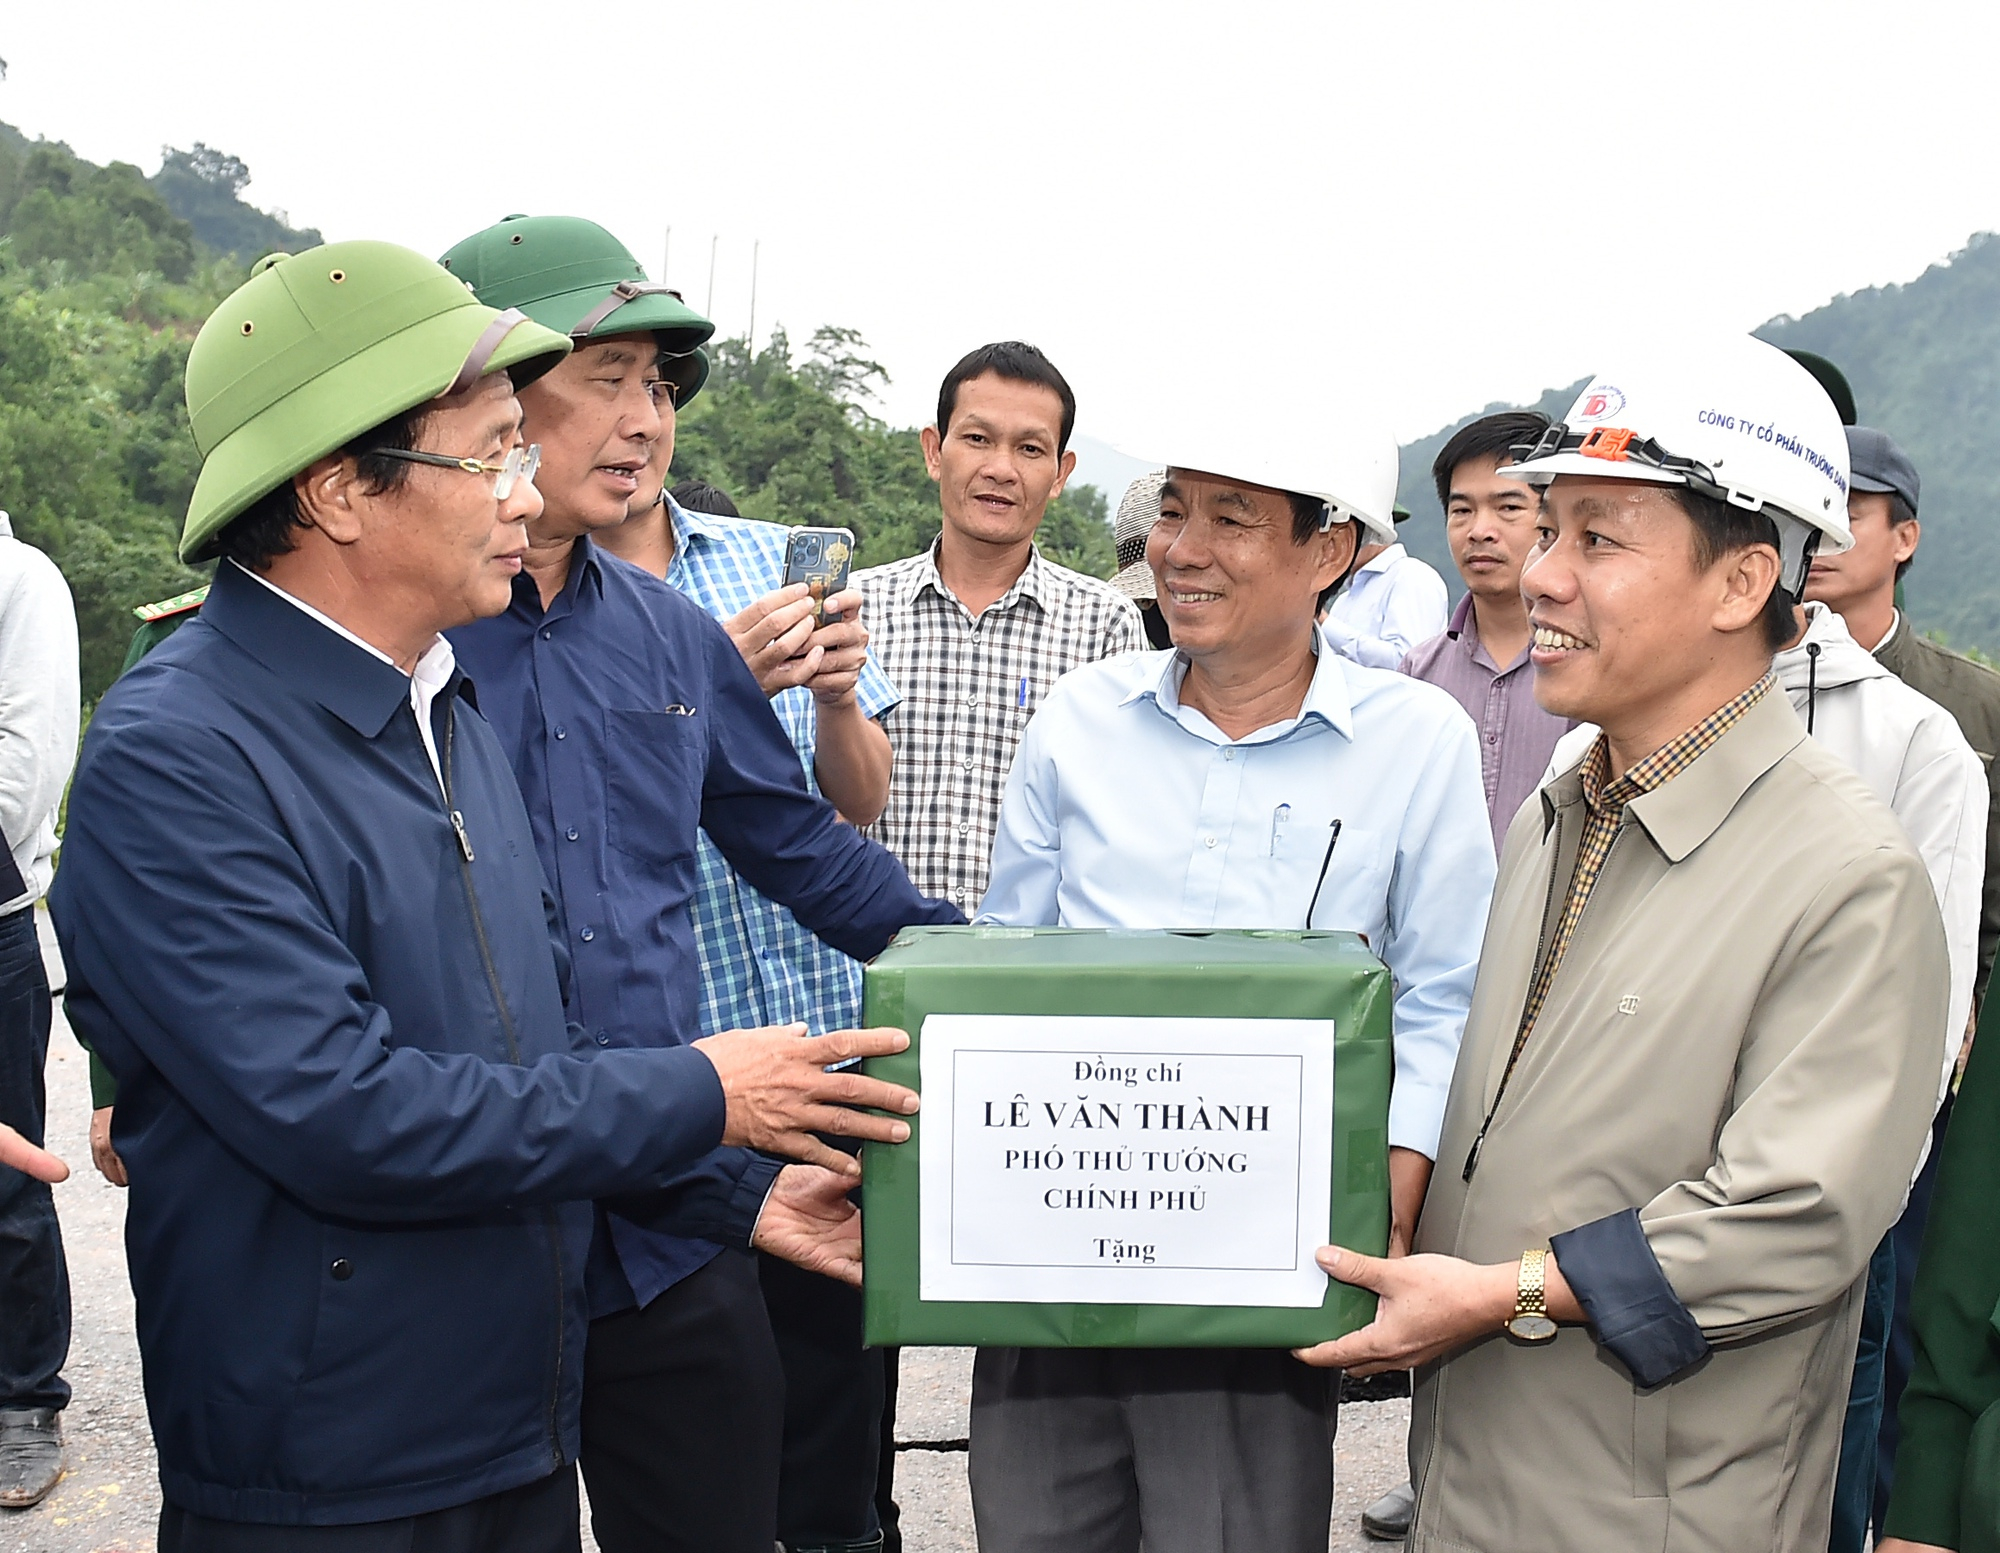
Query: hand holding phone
{"x": 820, "y": 558}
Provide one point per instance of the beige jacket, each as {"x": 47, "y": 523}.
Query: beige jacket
{"x": 1740, "y": 1045}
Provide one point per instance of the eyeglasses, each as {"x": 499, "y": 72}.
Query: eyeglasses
{"x": 522, "y": 460}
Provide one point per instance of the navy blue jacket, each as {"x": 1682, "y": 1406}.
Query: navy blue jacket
{"x": 361, "y": 1137}
{"x": 632, "y": 722}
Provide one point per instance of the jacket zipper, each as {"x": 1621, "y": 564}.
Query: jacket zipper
{"x": 1541, "y": 948}
{"x": 549, "y": 1227}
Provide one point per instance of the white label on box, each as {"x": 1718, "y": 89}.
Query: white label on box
{"x": 1124, "y": 1160}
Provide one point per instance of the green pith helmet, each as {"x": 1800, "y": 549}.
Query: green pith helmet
{"x": 312, "y": 350}
{"x": 579, "y": 280}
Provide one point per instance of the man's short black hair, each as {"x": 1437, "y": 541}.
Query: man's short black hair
{"x": 1720, "y": 529}
{"x": 1308, "y": 512}
{"x": 269, "y": 527}
{"x": 1488, "y": 437}
{"x": 1017, "y": 363}
{"x": 700, "y": 496}
{"x": 1901, "y": 512}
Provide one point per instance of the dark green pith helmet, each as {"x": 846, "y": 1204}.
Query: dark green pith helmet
{"x": 579, "y": 280}
{"x": 312, "y": 350}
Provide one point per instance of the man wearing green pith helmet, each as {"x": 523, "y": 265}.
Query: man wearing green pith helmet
{"x": 305, "y": 927}
{"x": 634, "y": 726}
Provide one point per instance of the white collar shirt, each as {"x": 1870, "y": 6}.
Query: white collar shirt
{"x": 1389, "y": 606}
{"x": 1128, "y": 809}
{"x": 434, "y": 668}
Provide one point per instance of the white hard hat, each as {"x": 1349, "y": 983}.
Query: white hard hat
{"x": 1344, "y": 463}
{"x": 1737, "y": 420}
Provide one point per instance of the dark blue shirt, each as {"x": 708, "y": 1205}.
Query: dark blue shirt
{"x": 632, "y": 722}
{"x": 361, "y": 1137}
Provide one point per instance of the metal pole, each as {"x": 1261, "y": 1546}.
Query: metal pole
{"x": 708, "y": 308}
{"x": 754, "y": 247}
{"x": 666, "y": 254}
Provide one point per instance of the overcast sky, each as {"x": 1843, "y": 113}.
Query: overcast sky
{"x": 1425, "y": 206}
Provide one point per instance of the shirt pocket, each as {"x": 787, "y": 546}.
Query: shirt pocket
{"x": 653, "y": 767}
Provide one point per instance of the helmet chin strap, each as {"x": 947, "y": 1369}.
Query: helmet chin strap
{"x": 1797, "y": 543}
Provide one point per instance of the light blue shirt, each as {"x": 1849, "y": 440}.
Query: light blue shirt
{"x": 1126, "y": 809}
{"x": 759, "y": 965}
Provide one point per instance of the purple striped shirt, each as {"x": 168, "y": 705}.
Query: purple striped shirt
{"x": 1516, "y": 737}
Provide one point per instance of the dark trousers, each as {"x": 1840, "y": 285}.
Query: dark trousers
{"x": 888, "y": 1513}
{"x": 535, "y": 1518}
{"x": 683, "y": 1418}
{"x": 1854, "y": 1483}
{"x": 833, "y": 1407}
{"x": 1908, "y": 1236}
{"x": 34, "y": 1279}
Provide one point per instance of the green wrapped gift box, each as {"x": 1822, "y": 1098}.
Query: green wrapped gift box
{"x": 1128, "y": 1111}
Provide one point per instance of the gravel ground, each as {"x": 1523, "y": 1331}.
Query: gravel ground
{"x": 109, "y": 1499}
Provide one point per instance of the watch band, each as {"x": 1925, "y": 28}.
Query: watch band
{"x": 1530, "y": 1322}
{"x": 1531, "y": 1287}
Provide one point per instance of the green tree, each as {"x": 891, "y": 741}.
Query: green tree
{"x": 205, "y": 187}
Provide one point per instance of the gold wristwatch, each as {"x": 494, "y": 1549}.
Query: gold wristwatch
{"x": 1531, "y": 1323}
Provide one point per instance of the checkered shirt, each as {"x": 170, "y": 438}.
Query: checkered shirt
{"x": 1604, "y": 813}
{"x": 969, "y": 687}
{"x": 759, "y": 966}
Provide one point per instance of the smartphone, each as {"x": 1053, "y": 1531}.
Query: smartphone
{"x": 819, "y": 558}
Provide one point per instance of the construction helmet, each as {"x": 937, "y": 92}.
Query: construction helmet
{"x": 1348, "y": 465}
{"x": 576, "y": 278}
{"x": 312, "y": 350}
{"x": 1737, "y": 420}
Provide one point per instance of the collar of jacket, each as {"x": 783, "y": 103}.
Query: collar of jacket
{"x": 1681, "y": 814}
{"x": 354, "y": 685}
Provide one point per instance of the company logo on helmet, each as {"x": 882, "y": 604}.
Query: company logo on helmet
{"x": 1601, "y": 403}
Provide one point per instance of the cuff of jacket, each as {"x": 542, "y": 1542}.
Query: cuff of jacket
{"x": 746, "y": 1203}
{"x": 1617, "y": 1279}
{"x": 1930, "y": 1469}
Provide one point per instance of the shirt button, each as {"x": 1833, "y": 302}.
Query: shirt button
{"x": 342, "y": 1269}
{"x": 603, "y": 1039}
{"x": 587, "y": 934}
{"x": 1208, "y": 841}
{"x": 968, "y": 765}
{"x": 964, "y": 830}
{"x": 547, "y": 633}
{"x": 571, "y": 833}
{"x": 972, "y": 700}
{"x": 1229, "y": 754}
{"x": 959, "y": 893}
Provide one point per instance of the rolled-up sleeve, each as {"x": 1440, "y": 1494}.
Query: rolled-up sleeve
{"x": 1813, "y": 1163}
{"x": 1633, "y": 1309}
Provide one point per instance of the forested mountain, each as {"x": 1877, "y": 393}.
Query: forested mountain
{"x": 1924, "y": 362}
{"x": 106, "y": 275}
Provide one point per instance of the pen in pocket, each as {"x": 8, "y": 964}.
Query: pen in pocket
{"x": 1279, "y": 816}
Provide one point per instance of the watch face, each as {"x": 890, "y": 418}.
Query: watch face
{"x": 1532, "y": 1329}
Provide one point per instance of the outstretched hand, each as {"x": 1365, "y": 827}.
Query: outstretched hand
{"x": 18, "y": 1153}
{"x": 809, "y": 1220}
{"x": 779, "y": 1095}
{"x": 1427, "y": 1305}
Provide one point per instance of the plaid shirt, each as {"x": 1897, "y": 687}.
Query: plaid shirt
{"x": 1604, "y": 811}
{"x": 969, "y": 687}
{"x": 758, "y": 965}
